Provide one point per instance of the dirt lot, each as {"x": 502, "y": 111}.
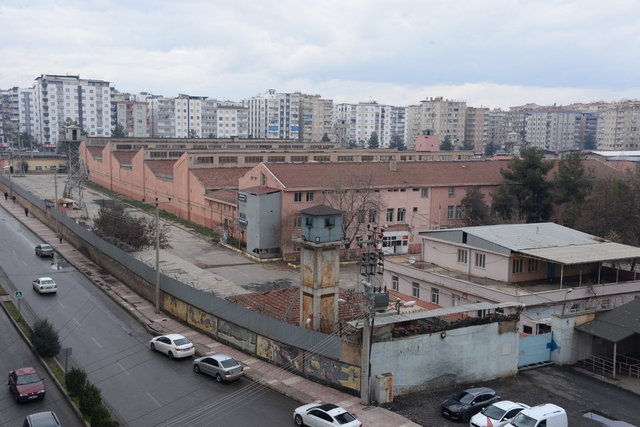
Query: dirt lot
{"x": 576, "y": 392}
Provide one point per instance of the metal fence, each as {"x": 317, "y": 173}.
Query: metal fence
{"x": 309, "y": 340}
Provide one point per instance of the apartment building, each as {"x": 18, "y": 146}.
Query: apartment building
{"x": 440, "y": 117}
{"x": 476, "y": 127}
{"x": 9, "y": 115}
{"x": 317, "y": 118}
{"x": 224, "y": 119}
{"x": 363, "y": 119}
{"x": 274, "y": 115}
{"x": 496, "y": 127}
{"x": 133, "y": 115}
{"x": 619, "y": 127}
{"x": 60, "y": 99}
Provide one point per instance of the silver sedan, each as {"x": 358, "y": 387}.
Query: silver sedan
{"x": 220, "y": 366}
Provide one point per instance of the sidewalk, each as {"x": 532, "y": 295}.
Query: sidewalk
{"x": 289, "y": 384}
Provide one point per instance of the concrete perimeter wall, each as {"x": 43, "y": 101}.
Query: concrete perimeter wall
{"x": 478, "y": 353}
{"x": 310, "y": 353}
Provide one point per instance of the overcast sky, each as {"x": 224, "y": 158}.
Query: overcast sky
{"x": 494, "y": 53}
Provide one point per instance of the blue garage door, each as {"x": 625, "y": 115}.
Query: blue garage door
{"x": 535, "y": 349}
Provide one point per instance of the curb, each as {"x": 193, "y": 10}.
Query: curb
{"x": 46, "y": 367}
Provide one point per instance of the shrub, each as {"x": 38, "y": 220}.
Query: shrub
{"x": 90, "y": 400}
{"x": 45, "y": 339}
{"x": 76, "y": 381}
{"x": 102, "y": 418}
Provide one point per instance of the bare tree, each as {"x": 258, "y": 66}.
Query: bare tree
{"x": 356, "y": 197}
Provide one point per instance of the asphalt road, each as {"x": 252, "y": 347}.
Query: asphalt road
{"x": 15, "y": 353}
{"x": 142, "y": 387}
{"x": 575, "y": 392}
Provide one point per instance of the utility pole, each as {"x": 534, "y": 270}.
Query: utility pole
{"x": 157, "y": 203}
{"x": 371, "y": 264}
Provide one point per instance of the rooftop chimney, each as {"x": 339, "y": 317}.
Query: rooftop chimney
{"x": 393, "y": 165}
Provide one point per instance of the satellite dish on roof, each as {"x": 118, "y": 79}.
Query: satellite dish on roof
{"x": 412, "y": 260}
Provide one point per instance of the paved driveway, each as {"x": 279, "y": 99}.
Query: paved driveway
{"x": 577, "y": 393}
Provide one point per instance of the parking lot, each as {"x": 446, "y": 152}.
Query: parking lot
{"x": 574, "y": 391}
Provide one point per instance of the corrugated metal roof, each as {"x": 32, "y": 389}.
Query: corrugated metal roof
{"x": 382, "y": 320}
{"x": 617, "y": 324}
{"x": 579, "y": 254}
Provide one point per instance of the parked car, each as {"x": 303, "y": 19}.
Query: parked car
{"x": 468, "y": 403}
{"x": 26, "y": 384}
{"x": 220, "y": 366}
{"x": 42, "y": 419}
{"x": 497, "y": 414}
{"x": 321, "y": 415}
{"x": 547, "y": 414}
{"x": 45, "y": 285}
{"x": 173, "y": 345}
{"x": 44, "y": 250}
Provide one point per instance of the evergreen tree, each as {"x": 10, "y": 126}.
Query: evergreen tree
{"x": 325, "y": 138}
{"x": 490, "y": 149}
{"x": 45, "y": 339}
{"x": 373, "y": 141}
{"x": 397, "y": 143}
{"x": 527, "y": 192}
{"x": 118, "y": 131}
{"x": 467, "y": 146}
{"x": 571, "y": 185}
{"x": 589, "y": 142}
{"x": 476, "y": 211}
{"x": 446, "y": 144}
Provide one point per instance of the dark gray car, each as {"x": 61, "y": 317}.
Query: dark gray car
{"x": 468, "y": 403}
{"x": 220, "y": 366}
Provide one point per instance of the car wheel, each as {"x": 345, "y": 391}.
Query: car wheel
{"x": 298, "y": 420}
{"x": 465, "y": 417}
{"x": 196, "y": 369}
{"x": 219, "y": 378}
{"x": 152, "y": 347}
{"x": 170, "y": 354}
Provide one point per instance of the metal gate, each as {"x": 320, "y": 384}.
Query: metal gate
{"x": 536, "y": 349}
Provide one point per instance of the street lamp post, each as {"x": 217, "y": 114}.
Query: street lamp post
{"x": 565, "y": 299}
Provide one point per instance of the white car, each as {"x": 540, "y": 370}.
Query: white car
{"x": 45, "y": 285}
{"x": 173, "y": 345}
{"x": 322, "y": 415}
{"x": 498, "y": 413}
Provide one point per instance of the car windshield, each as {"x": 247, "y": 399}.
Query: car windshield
{"x": 493, "y": 412}
{"x": 28, "y": 379}
{"x": 229, "y": 363}
{"x": 46, "y": 282}
{"x": 181, "y": 341}
{"x": 45, "y": 247}
{"x": 345, "y": 418}
{"x": 522, "y": 420}
{"x": 464, "y": 398}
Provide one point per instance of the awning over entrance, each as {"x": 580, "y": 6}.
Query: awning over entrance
{"x": 581, "y": 254}
{"x": 617, "y": 324}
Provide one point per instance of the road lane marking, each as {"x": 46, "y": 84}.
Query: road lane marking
{"x": 97, "y": 343}
{"x": 122, "y": 367}
{"x": 74, "y": 319}
{"x": 154, "y": 399}
{"x": 62, "y": 306}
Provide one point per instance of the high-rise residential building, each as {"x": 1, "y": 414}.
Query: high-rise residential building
{"x": 399, "y": 123}
{"x": 9, "y": 115}
{"x": 476, "y": 128}
{"x": 61, "y": 99}
{"x": 316, "y": 116}
{"x": 274, "y": 115}
{"x": 558, "y": 129}
{"x": 619, "y": 127}
{"x": 497, "y": 128}
{"x": 436, "y": 116}
{"x": 132, "y": 114}
{"x": 224, "y": 119}
{"x": 361, "y": 120}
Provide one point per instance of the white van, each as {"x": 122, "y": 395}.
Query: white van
{"x": 545, "y": 415}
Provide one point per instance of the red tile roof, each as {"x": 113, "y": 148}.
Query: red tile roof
{"x": 124, "y": 157}
{"x": 378, "y": 174}
{"x": 95, "y": 151}
{"x": 164, "y": 167}
{"x": 211, "y": 178}
{"x": 227, "y": 196}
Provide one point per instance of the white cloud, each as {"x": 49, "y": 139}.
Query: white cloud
{"x": 490, "y": 52}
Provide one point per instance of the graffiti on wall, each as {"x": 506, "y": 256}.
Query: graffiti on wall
{"x": 281, "y": 354}
{"x": 333, "y": 372}
{"x": 202, "y": 320}
{"x": 175, "y": 306}
{"x": 240, "y": 337}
